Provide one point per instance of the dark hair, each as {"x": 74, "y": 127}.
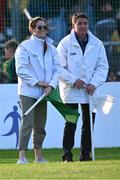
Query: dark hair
{"x": 78, "y": 15}
{"x": 12, "y": 44}
{"x": 33, "y": 22}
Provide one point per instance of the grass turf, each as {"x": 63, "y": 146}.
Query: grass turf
{"x": 106, "y": 165}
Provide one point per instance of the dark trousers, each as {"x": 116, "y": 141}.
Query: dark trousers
{"x": 69, "y": 134}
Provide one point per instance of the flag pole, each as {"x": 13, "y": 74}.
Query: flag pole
{"x": 91, "y": 130}
{"x": 34, "y": 105}
{"x": 27, "y": 14}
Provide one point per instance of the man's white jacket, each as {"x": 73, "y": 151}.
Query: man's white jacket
{"x": 33, "y": 66}
{"x": 91, "y": 67}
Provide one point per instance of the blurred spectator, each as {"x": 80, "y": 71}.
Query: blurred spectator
{"x": 9, "y": 65}
{"x": 12, "y": 19}
{"x": 3, "y": 77}
{"x": 116, "y": 36}
{"x": 7, "y": 29}
{"x": 118, "y": 15}
{"x": 38, "y": 8}
{"x": 57, "y": 21}
{"x": 112, "y": 77}
{"x": 105, "y": 29}
{"x": 2, "y": 9}
{"x": 2, "y": 60}
{"x": 105, "y": 9}
{"x": 106, "y": 26}
{"x": 105, "y": 18}
{"x": 23, "y": 4}
{"x": 115, "y": 51}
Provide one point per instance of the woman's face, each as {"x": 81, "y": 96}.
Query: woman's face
{"x": 40, "y": 30}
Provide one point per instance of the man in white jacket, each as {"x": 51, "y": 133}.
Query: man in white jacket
{"x": 85, "y": 68}
{"x": 37, "y": 67}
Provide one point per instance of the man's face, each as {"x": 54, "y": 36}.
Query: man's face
{"x": 81, "y": 27}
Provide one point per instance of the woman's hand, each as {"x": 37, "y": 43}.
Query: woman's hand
{"x": 42, "y": 84}
{"x": 48, "y": 90}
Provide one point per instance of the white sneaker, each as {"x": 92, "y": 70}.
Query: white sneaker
{"x": 40, "y": 161}
{"x": 22, "y": 160}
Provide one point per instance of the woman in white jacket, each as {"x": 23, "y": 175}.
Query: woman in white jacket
{"x": 37, "y": 67}
{"x": 85, "y": 68}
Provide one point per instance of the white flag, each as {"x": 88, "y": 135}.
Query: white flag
{"x": 102, "y": 103}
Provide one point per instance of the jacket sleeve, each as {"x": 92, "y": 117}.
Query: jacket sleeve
{"x": 56, "y": 68}
{"x": 65, "y": 76}
{"x": 22, "y": 66}
{"x": 101, "y": 69}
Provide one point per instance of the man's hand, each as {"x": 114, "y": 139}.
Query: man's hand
{"x": 80, "y": 84}
{"x": 48, "y": 90}
{"x": 90, "y": 89}
{"x": 42, "y": 84}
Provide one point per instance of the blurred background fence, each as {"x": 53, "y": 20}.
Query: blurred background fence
{"x": 104, "y": 21}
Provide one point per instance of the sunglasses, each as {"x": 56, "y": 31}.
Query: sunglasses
{"x": 42, "y": 27}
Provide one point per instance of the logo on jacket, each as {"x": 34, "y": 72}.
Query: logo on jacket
{"x": 72, "y": 53}
{"x": 35, "y": 55}
{"x": 15, "y": 123}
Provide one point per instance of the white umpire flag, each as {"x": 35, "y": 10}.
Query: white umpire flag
{"x": 102, "y": 103}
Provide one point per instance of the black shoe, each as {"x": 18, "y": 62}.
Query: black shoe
{"x": 66, "y": 161}
{"x": 67, "y": 157}
{"x": 86, "y": 159}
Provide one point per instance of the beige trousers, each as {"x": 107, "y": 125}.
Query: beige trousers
{"x": 34, "y": 123}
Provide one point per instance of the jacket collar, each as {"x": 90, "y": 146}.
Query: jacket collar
{"x": 48, "y": 40}
{"x": 91, "y": 41}
{"x": 91, "y": 38}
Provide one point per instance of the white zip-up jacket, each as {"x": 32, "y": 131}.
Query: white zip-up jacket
{"x": 91, "y": 67}
{"x": 33, "y": 66}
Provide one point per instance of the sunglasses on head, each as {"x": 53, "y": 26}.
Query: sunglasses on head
{"x": 42, "y": 27}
